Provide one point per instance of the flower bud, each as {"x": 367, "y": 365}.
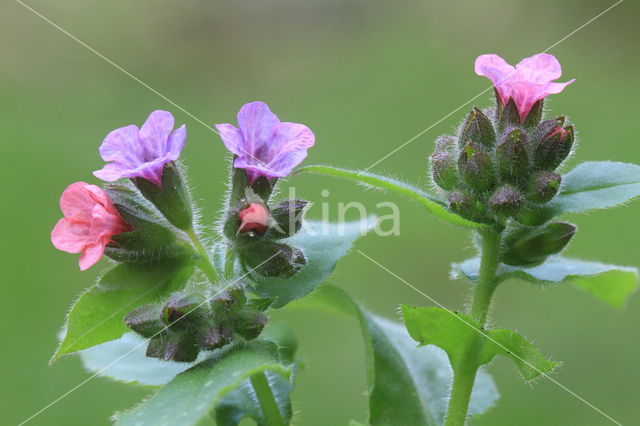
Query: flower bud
{"x": 476, "y": 168}
{"x": 506, "y": 201}
{"x": 444, "y": 170}
{"x": 171, "y": 198}
{"x": 145, "y": 320}
{"x": 149, "y": 239}
{"x": 249, "y": 324}
{"x": 477, "y": 128}
{"x": 544, "y": 186}
{"x": 286, "y": 218}
{"x": 466, "y": 205}
{"x": 214, "y": 336}
{"x": 253, "y": 218}
{"x": 553, "y": 148}
{"x": 182, "y": 309}
{"x": 179, "y": 347}
{"x": 446, "y": 143}
{"x": 531, "y": 246}
{"x": 512, "y": 157}
{"x": 271, "y": 259}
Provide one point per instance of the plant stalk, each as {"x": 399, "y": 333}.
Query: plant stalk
{"x": 464, "y": 375}
{"x": 270, "y": 410}
{"x": 205, "y": 262}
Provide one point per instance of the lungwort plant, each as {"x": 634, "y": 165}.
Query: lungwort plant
{"x": 185, "y": 306}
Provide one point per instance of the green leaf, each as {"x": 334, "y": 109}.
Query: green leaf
{"x": 96, "y": 316}
{"x": 595, "y": 185}
{"x": 431, "y": 203}
{"x": 192, "y": 394}
{"x": 406, "y": 385}
{"x": 323, "y": 244}
{"x": 133, "y": 366}
{"x": 455, "y": 332}
{"x": 610, "y": 283}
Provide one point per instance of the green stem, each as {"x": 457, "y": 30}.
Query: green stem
{"x": 267, "y": 401}
{"x": 205, "y": 262}
{"x": 464, "y": 375}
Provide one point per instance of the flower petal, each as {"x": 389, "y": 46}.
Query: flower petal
{"x": 154, "y": 134}
{"x": 232, "y": 138}
{"x": 541, "y": 68}
{"x": 257, "y": 124}
{"x": 76, "y": 203}
{"x": 122, "y": 145}
{"x": 70, "y": 236}
{"x": 91, "y": 255}
{"x": 175, "y": 143}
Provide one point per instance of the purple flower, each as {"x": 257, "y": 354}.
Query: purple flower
{"x": 526, "y": 83}
{"x": 263, "y": 145}
{"x": 144, "y": 152}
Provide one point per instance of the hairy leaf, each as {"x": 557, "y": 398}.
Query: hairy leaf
{"x": 455, "y": 332}
{"x": 96, "y": 316}
{"x": 610, "y": 283}
{"x": 431, "y": 203}
{"x": 323, "y": 244}
{"x": 192, "y": 394}
{"x": 406, "y": 385}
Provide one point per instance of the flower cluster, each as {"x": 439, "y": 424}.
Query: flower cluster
{"x": 144, "y": 215}
{"x": 502, "y": 162}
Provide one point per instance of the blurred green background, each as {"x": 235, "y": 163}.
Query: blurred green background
{"x": 365, "y": 76}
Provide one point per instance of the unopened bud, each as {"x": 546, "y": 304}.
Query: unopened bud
{"x": 214, "y": 336}
{"x": 544, "y": 186}
{"x": 444, "y": 170}
{"x": 446, "y": 143}
{"x": 181, "y": 309}
{"x": 477, "y": 128}
{"x": 512, "y": 157}
{"x": 506, "y": 201}
{"x": 466, "y": 205}
{"x": 287, "y": 218}
{"x": 253, "y": 218}
{"x": 271, "y": 259}
{"x": 531, "y": 246}
{"x": 145, "y": 320}
{"x": 476, "y": 168}
{"x": 179, "y": 347}
{"x": 171, "y": 199}
{"x": 250, "y": 324}
{"x": 553, "y": 148}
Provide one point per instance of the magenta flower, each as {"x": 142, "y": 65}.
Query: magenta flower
{"x": 263, "y": 145}
{"x": 526, "y": 83}
{"x": 89, "y": 222}
{"x": 142, "y": 153}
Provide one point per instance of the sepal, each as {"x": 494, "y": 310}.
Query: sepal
{"x": 171, "y": 199}
{"x": 477, "y": 128}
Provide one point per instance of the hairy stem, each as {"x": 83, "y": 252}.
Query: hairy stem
{"x": 204, "y": 262}
{"x": 266, "y": 399}
{"x": 229, "y": 262}
{"x": 464, "y": 375}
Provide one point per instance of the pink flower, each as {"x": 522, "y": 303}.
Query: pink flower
{"x": 526, "y": 83}
{"x": 90, "y": 220}
{"x": 254, "y": 217}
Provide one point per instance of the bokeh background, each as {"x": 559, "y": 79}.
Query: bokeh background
{"x": 366, "y": 76}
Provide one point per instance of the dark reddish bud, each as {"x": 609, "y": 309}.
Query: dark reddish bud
{"x": 215, "y": 336}
{"x": 253, "y": 218}
{"x": 512, "y": 157}
{"x": 553, "y": 148}
{"x": 444, "y": 170}
{"x": 476, "y": 168}
{"x": 544, "y": 186}
{"x": 477, "y": 128}
{"x": 507, "y": 200}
